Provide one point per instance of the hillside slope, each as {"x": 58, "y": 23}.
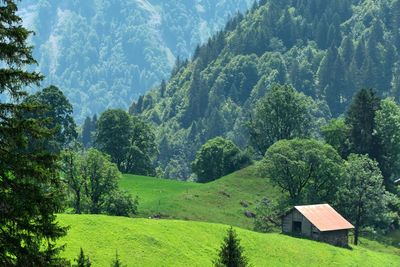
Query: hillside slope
{"x": 325, "y": 49}
{"x": 106, "y": 53}
{"x": 221, "y": 201}
{"x": 147, "y": 242}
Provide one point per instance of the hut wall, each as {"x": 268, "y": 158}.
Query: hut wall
{"x": 336, "y": 238}
{"x": 296, "y": 216}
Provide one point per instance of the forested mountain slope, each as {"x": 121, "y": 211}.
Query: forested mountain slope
{"x": 105, "y": 53}
{"x": 325, "y": 49}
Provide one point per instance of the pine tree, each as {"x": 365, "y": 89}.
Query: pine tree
{"x": 395, "y": 91}
{"x": 117, "y": 261}
{"x": 231, "y": 252}
{"x": 396, "y": 21}
{"x": 347, "y": 50}
{"x": 29, "y": 179}
{"x": 87, "y": 132}
{"x": 361, "y": 119}
{"x": 82, "y": 260}
{"x": 163, "y": 88}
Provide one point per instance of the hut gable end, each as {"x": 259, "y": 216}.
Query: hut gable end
{"x": 318, "y": 222}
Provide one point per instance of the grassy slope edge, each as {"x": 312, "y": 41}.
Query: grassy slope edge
{"x": 148, "y": 242}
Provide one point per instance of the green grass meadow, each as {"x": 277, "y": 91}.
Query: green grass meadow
{"x": 146, "y": 242}
{"x": 194, "y": 221}
{"x": 217, "y": 202}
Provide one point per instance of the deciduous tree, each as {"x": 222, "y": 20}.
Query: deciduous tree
{"x": 217, "y": 158}
{"x": 387, "y": 124}
{"x": 58, "y": 113}
{"x": 362, "y": 196}
{"x": 282, "y": 113}
{"x": 308, "y": 170}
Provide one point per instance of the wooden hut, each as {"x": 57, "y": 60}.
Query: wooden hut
{"x": 318, "y": 222}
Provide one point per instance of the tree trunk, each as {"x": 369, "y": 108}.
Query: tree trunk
{"x": 356, "y": 230}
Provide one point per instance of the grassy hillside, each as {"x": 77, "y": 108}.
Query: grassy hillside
{"x": 218, "y": 201}
{"x": 147, "y": 242}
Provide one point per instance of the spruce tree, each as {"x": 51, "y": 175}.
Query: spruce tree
{"x": 82, "y": 260}
{"x": 231, "y": 252}
{"x": 87, "y": 132}
{"x": 29, "y": 179}
{"x": 163, "y": 88}
{"x": 117, "y": 261}
{"x": 361, "y": 119}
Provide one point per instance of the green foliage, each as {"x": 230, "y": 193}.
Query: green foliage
{"x": 326, "y": 50}
{"x": 114, "y": 130}
{"x": 58, "y": 112}
{"x": 71, "y": 166}
{"x": 30, "y": 186}
{"x": 144, "y": 242}
{"x": 361, "y": 120}
{"x": 93, "y": 182}
{"x": 101, "y": 178}
{"x": 387, "y": 121}
{"x": 88, "y": 130}
{"x": 268, "y": 214}
{"x": 82, "y": 260}
{"x": 336, "y": 133}
{"x": 231, "y": 253}
{"x": 307, "y": 170}
{"x": 142, "y": 149}
{"x": 216, "y": 158}
{"x": 120, "y": 203}
{"x": 362, "y": 196}
{"x": 128, "y": 140}
{"x": 282, "y": 113}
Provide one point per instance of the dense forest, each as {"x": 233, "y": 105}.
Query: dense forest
{"x": 327, "y": 50}
{"x": 293, "y": 104}
{"x": 104, "y": 54}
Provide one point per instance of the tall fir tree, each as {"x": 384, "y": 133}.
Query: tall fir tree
{"x": 361, "y": 119}
{"x": 87, "y": 132}
{"x": 29, "y": 179}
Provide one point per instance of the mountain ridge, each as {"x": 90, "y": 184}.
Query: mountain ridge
{"x": 115, "y": 51}
{"x": 327, "y": 50}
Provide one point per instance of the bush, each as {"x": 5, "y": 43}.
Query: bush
{"x": 120, "y": 203}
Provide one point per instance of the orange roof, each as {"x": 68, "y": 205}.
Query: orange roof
{"x": 324, "y": 217}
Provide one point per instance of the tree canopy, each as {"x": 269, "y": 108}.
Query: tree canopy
{"x": 58, "y": 112}
{"x": 92, "y": 181}
{"x": 283, "y": 113}
{"x": 362, "y": 197}
{"x": 216, "y": 158}
{"x": 128, "y": 140}
{"x": 306, "y": 169}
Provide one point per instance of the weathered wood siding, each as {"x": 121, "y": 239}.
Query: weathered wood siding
{"x": 337, "y": 238}
{"x": 296, "y": 216}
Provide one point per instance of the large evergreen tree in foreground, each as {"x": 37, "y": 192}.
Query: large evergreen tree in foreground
{"x": 29, "y": 180}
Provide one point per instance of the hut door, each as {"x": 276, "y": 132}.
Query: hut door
{"x": 296, "y": 227}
